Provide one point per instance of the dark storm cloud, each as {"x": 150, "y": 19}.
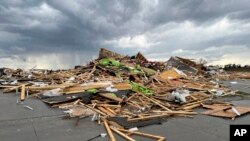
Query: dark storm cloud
{"x": 78, "y": 28}
{"x": 197, "y": 10}
{"x": 80, "y": 24}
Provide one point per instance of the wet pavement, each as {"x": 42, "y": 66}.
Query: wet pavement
{"x": 47, "y": 124}
{"x": 241, "y": 85}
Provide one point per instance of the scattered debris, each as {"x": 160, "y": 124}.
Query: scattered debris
{"x": 126, "y": 92}
{"x": 28, "y": 107}
{"x": 179, "y": 96}
{"x": 185, "y": 65}
{"x": 234, "y": 82}
{"x": 225, "y": 110}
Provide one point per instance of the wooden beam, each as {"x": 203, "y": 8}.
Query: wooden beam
{"x": 10, "y": 89}
{"x": 92, "y": 71}
{"x": 112, "y": 137}
{"x": 148, "y": 117}
{"x": 105, "y": 111}
{"x": 157, "y": 103}
{"x": 122, "y": 134}
{"x": 108, "y": 105}
{"x": 106, "y": 95}
{"x": 22, "y": 96}
{"x": 98, "y": 111}
{"x": 192, "y": 106}
{"x": 160, "y": 138}
{"x": 177, "y": 112}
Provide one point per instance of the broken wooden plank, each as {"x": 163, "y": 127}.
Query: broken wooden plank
{"x": 226, "y": 111}
{"x": 114, "y": 98}
{"x": 148, "y": 117}
{"x": 11, "y": 88}
{"x": 142, "y": 134}
{"x": 91, "y": 73}
{"x": 177, "y": 112}
{"x": 108, "y": 105}
{"x": 105, "y": 111}
{"x": 22, "y": 95}
{"x": 122, "y": 134}
{"x": 192, "y": 106}
{"x": 112, "y": 137}
{"x": 157, "y": 103}
{"x": 98, "y": 111}
{"x": 122, "y": 86}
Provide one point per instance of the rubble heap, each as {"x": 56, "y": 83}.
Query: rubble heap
{"x": 123, "y": 92}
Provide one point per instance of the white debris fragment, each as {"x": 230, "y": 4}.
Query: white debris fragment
{"x": 179, "y": 95}
{"x": 30, "y": 76}
{"x": 111, "y": 89}
{"x": 14, "y": 82}
{"x": 234, "y": 82}
{"x": 94, "y": 117}
{"x": 133, "y": 129}
{"x": 68, "y": 111}
{"x": 180, "y": 72}
{"x": 28, "y": 107}
{"x": 71, "y": 78}
{"x": 103, "y": 135}
{"x": 219, "y": 92}
{"x": 54, "y": 92}
{"x": 236, "y": 111}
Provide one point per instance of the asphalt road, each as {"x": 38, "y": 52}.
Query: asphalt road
{"x": 43, "y": 123}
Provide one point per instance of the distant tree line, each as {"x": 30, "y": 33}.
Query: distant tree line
{"x": 237, "y": 67}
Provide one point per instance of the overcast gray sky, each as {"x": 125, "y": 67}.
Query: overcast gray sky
{"x": 63, "y": 33}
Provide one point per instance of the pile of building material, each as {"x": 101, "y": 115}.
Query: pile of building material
{"x": 123, "y": 92}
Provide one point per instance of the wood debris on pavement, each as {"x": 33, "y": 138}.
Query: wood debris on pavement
{"x": 122, "y": 91}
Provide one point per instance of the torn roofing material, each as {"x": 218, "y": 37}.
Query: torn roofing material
{"x": 185, "y": 65}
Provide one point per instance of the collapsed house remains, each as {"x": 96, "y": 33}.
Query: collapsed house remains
{"x": 123, "y": 92}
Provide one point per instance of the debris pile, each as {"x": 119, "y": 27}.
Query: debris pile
{"x": 124, "y": 92}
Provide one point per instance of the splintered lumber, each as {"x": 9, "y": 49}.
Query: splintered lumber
{"x": 158, "y": 138}
{"x": 38, "y": 88}
{"x": 11, "y": 88}
{"x": 87, "y": 86}
{"x": 74, "y": 89}
{"x": 108, "y": 105}
{"x": 192, "y": 106}
{"x": 91, "y": 73}
{"x": 122, "y": 134}
{"x": 106, "y": 111}
{"x": 96, "y": 85}
{"x": 114, "y": 124}
{"x": 157, "y": 103}
{"x": 122, "y": 86}
{"x": 98, "y": 111}
{"x": 220, "y": 110}
{"x": 112, "y": 137}
{"x": 6, "y": 86}
{"x": 110, "y": 110}
{"x": 106, "y": 95}
{"x": 22, "y": 96}
{"x": 176, "y": 112}
{"x": 148, "y": 117}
